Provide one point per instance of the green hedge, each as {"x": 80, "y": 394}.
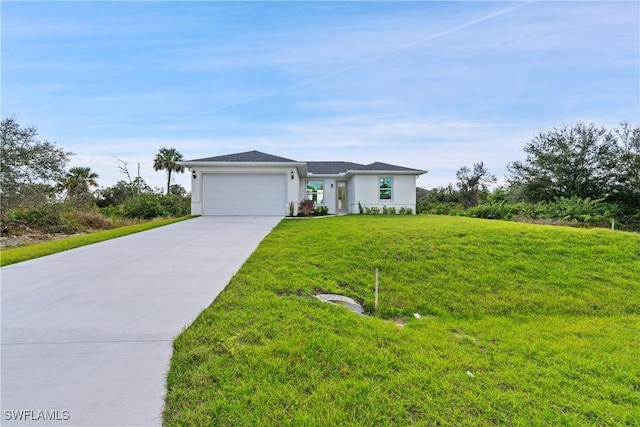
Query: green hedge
{"x": 574, "y": 210}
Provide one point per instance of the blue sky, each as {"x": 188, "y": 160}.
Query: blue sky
{"x": 424, "y": 84}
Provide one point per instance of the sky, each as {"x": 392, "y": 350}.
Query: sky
{"x": 423, "y": 84}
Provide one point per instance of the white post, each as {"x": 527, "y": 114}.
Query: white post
{"x": 376, "y": 297}
{"x": 613, "y": 225}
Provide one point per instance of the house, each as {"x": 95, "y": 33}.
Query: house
{"x": 256, "y": 183}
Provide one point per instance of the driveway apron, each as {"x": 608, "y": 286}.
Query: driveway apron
{"x": 87, "y": 333}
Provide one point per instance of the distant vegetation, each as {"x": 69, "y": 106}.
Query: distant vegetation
{"x": 581, "y": 175}
{"x": 39, "y": 195}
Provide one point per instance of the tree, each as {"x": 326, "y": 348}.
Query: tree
{"x": 122, "y": 166}
{"x": 28, "y": 167}
{"x": 626, "y": 188}
{"x": 583, "y": 161}
{"x": 473, "y": 184}
{"x": 141, "y": 186}
{"x": 121, "y": 192}
{"x": 167, "y": 159}
{"x": 115, "y": 195}
{"x": 178, "y": 190}
{"x": 77, "y": 183}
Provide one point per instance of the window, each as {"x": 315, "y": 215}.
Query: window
{"x": 315, "y": 192}
{"x": 385, "y": 188}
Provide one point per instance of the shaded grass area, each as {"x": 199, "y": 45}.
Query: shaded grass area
{"x": 522, "y": 325}
{"x": 36, "y": 250}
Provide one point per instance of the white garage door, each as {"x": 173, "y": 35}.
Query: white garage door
{"x": 234, "y": 194}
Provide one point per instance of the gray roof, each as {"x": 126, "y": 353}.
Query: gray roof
{"x": 315, "y": 168}
{"x": 331, "y": 168}
{"x": 335, "y": 168}
{"x": 249, "y": 156}
{"x": 377, "y": 166}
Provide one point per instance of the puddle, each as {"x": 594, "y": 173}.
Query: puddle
{"x": 347, "y": 302}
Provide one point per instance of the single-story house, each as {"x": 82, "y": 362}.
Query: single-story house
{"x": 255, "y": 183}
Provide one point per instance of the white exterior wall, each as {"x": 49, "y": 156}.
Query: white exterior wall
{"x": 361, "y": 187}
{"x": 196, "y": 192}
{"x": 330, "y": 195}
{"x": 293, "y": 190}
{"x": 330, "y": 191}
{"x": 352, "y": 201}
{"x": 365, "y": 189}
{"x": 293, "y": 185}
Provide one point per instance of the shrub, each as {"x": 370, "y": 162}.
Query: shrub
{"x": 176, "y": 205}
{"x": 443, "y": 208}
{"x": 374, "y": 210}
{"x": 145, "y": 206}
{"x": 93, "y": 219}
{"x": 578, "y": 210}
{"x": 389, "y": 211}
{"x": 360, "y": 208}
{"x": 321, "y": 210}
{"x": 306, "y": 207}
{"x": 113, "y": 212}
{"x": 61, "y": 217}
{"x": 292, "y": 208}
{"x": 628, "y": 222}
{"x": 49, "y": 218}
{"x": 26, "y": 216}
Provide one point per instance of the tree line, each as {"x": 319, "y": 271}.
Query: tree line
{"x": 583, "y": 174}
{"x": 39, "y": 192}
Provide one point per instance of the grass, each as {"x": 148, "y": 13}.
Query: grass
{"x": 23, "y": 253}
{"x": 521, "y": 325}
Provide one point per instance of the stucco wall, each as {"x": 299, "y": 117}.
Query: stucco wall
{"x": 330, "y": 188}
{"x": 361, "y": 188}
{"x": 365, "y": 190}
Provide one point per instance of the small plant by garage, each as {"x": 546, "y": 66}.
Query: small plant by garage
{"x": 306, "y": 207}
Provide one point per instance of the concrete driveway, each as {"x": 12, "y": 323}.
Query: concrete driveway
{"x": 87, "y": 334}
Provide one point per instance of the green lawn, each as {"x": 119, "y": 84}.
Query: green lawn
{"x": 521, "y": 325}
{"x": 36, "y": 250}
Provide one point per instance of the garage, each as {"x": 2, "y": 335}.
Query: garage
{"x": 244, "y": 194}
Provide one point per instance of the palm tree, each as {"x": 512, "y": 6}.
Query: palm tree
{"x": 167, "y": 159}
{"x": 78, "y": 180}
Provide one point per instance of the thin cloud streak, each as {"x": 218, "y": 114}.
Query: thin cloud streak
{"x": 359, "y": 64}
{"x": 431, "y": 85}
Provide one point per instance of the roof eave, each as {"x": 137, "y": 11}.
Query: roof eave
{"x": 195, "y": 163}
{"x": 326, "y": 175}
{"x": 387, "y": 172}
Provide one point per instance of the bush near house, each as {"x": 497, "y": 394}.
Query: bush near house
{"x": 376, "y": 210}
{"x": 321, "y": 211}
{"x": 306, "y": 207}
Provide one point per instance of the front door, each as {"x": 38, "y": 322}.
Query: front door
{"x": 341, "y": 194}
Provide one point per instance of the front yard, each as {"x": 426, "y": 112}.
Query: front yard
{"x": 519, "y": 325}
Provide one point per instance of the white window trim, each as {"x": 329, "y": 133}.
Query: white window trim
{"x": 307, "y": 194}
{"x": 380, "y": 178}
